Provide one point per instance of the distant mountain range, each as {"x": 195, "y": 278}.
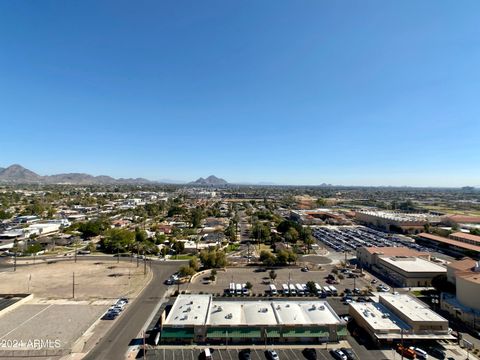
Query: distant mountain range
{"x": 209, "y": 181}
{"x": 17, "y": 174}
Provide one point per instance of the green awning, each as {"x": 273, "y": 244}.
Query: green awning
{"x": 306, "y": 332}
{"x": 233, "y": 333}
{"x": 271, "y": 333}
{"x": 177, "y": 333}
{"x": 342, "y": 331}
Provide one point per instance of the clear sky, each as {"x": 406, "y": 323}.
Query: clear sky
{"x": 291, "y": 92}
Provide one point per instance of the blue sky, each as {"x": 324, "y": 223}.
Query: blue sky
{"x": 291, "y": 92}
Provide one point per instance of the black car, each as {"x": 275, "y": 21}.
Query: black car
{"x": 349, "y": 354}
{"x": 438, "y": 353}
{"x": 244, "y": 354}
{"x": 310, "y": 354}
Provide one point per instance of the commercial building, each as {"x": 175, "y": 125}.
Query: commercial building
{"x": 456, "y": 245}
{"x": 402, "y": 266}
{"x": 465, "y": 274}
{"x": 396, "y": 221}
{"x": 465, "y": 238}
{"x": 399, "y": 316}
{"x": 202, "y": 319}
{"x": 319, "y": 217}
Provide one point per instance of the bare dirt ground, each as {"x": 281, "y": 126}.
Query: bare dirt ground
{"x": 94, "y": 280}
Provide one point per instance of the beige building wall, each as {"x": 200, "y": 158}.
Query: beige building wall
{"x": 468, "y": 292}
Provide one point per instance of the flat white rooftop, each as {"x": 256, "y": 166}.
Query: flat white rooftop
{"x": 410, "y": 307}
{"x": 398, "y": 216}
{"x": 413, "y": 264}
{"x": 241, "y": 313}
{"x": 189, "y": 310}
{"x": 304, "y": 312}
{"x": 377, "y": 316}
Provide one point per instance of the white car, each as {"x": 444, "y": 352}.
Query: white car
{"x": 272, "y": 355}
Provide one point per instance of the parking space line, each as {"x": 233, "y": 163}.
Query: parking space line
{"x": 323, "y": 355}
{"x": 220, "y": 354}
{"x": 23, "y": 323}
{"x": 293, "y": 356}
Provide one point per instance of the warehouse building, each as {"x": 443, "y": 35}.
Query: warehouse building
{"x": 399, "y": 316}
{"x": 201, "y": 319}
{"x": 396, "y": 221}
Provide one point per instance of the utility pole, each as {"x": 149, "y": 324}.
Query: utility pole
{"x": 73, "y": 285}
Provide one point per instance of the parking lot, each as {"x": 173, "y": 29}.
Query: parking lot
{"x": 233, "y": 354}
{"x": 348, "y": 238}
{"x": 58, "y": 325}
{"x": 285, "y": 353}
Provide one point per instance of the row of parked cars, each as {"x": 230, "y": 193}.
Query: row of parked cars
{"x": 308, "y": 353}
{"x": 115, "y": 309}
{"x": 350, "y": 238}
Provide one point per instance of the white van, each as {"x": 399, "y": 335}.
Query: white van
{"x": 272, "y": 289}
{"x": 285, "y": 289}
{"x": 238, "y": 289}
{"x": 291, "y": 289}
{"x": 299, "y": 288}
{"x": 244, "y": 289}
{"x": 207, "y": 353}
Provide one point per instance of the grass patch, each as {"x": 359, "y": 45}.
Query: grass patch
{"x": 233, "y": 247}
{"x": 183, "y": 257}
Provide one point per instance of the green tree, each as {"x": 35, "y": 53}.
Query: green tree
{"x": 92, "y": 228}
{"x": 267, "y": 258}
{"x": 196, "y": 216}
{"x": 118, "y": 240}
{"x": 178, "y": 246}
{"x": 272, "y": 275}
{"x": 248, "y": 285}
{"x": 140, "y": 235}
{"x": 194, "y": 263}
{"x": 213, "y": 258}
{"x": 187, "y": 271}
{"x": 291, "y": 235}
{"x": 311, "y": 287}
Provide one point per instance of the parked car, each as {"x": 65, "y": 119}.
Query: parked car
{"x": 438, "y": 353}
{"x": 271, "y": 354}
{"x": 421, "y": 354}
{"x": 349, "y": 353}
{"x": 338, "y": 354}
{"x": 406, "y": 352}
{"x": 310, "y": 353}
{"x": 305, "y": 269}
{"x": 244, "y": 354}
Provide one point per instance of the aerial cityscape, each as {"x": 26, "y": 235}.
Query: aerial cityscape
{"x": 250, "y": 180}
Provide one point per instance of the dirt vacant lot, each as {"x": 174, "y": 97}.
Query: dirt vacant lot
{"x": 94, "y": 280}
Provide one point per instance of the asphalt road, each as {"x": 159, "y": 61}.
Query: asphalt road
{"x": 115, "y": 343}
